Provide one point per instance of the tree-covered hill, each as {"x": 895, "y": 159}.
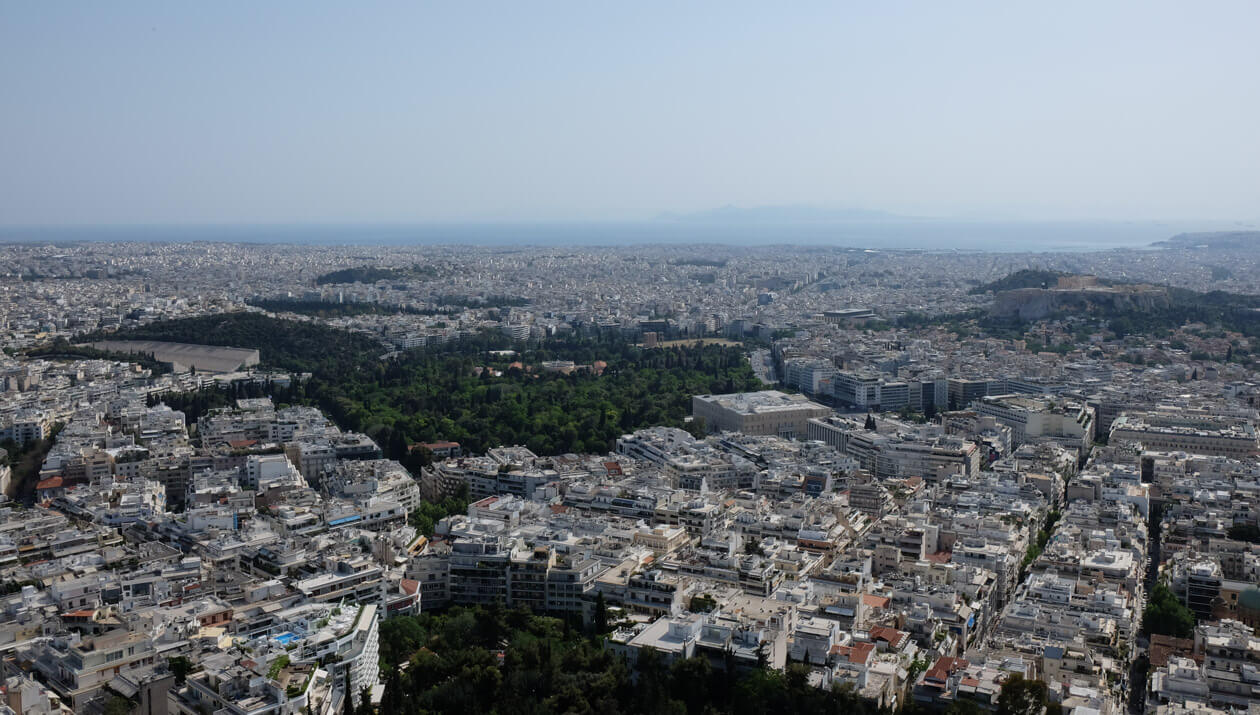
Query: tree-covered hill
{"x": 372, "y": 274}
{"x": 323, "y": 308}
{"x": 1027, "y": 278}
{"x": 1216, "y": 309}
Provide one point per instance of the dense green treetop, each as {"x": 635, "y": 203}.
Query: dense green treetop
{"x": 372, "y": 274}
{"x": 492, "y": 660}
{"x": 1026, "y": 278}
{"x": 426, "y": 396}
{"x": 327, "y": 309}
{"x": 288, "y": 344}
{"x": 1166, "y": 614}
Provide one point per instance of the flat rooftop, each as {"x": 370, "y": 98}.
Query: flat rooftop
{"x": 765, "y": 401}
{"x": 1029, "y": 403}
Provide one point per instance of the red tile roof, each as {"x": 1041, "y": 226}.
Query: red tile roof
{"x": 939, "y": 672}
{"x": 892, "y": 636}
{"x": 435, "y": 445}
{"x": 861, "y": 652}
{"x": 876, "y": 601}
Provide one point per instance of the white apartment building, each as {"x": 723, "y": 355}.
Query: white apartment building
{"x": 768, "y": 412}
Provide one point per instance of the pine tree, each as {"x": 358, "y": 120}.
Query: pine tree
{"x": 601, "y": 614}
{"x": 391, "y": 699}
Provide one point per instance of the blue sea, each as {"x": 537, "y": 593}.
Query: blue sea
{"x": 925, "y": 234}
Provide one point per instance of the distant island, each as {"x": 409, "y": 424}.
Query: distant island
{"x": 782, "y": 214}
{"x": 1213, "y": 239}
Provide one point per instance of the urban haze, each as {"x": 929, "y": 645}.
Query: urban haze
{"x": 515, "y": 358}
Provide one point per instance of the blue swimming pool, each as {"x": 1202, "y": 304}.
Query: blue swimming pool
{"x": 285, "y": 638}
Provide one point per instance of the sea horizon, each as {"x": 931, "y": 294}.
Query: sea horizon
{"x": 1005, "y": 236}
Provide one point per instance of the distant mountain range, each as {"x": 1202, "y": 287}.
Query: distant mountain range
{"x": 782, "y": 214}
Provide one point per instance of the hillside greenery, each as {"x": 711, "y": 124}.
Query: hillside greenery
{"x": 548, "y": 665}
{"x": 326, "y": 309}
{"x": 1026, "y": 278}
{"x": 427, "y": 396}
{"x": 372, "y": 274}
{"x": 490, "y": 301}
{"x": 1218, "y": 310}
{"x": 287, "y": 344}
{"x": 1033, "y": 278}
{"x": 505, "y": 662}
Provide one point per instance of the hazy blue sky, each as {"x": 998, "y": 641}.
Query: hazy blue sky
{"x": 122, "y": 112}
